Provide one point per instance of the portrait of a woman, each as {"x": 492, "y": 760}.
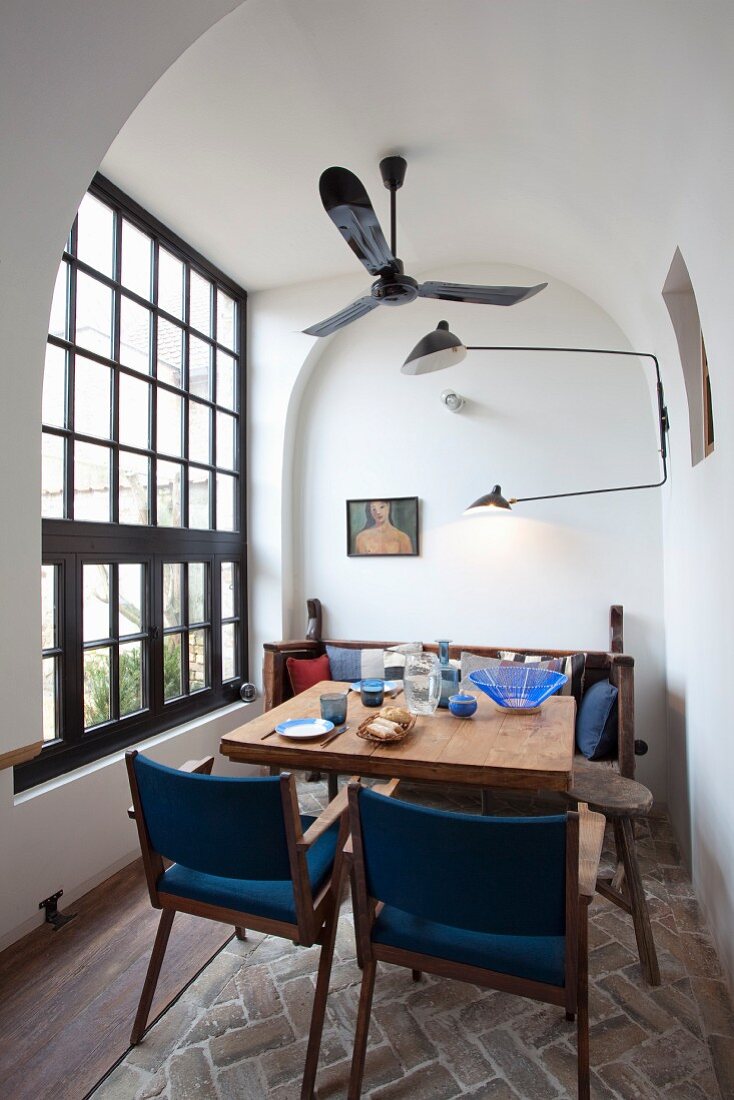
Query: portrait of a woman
{"x": 383, "y": 526}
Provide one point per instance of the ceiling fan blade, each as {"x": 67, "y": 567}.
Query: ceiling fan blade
{"x": 352, "y": 312}
{"x": 479, "y": 295}
{"x": 347, "y": 204}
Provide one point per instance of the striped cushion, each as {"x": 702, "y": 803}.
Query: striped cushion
{"x": 373, "y": 663}
{"x": 573, "y": 666}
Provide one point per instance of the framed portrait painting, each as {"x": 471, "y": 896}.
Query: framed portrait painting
{"x": 382, "y": 528}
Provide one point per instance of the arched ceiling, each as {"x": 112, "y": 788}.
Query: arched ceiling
{"x": 561, "y": 136}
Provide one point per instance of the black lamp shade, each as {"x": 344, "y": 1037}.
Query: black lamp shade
{"x": 488, "y": 502}
{"x": 435, "y": 351}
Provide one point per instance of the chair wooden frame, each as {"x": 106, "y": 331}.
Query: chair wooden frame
{"x": 316, "y": 916}
{"x": 585, "y": 835}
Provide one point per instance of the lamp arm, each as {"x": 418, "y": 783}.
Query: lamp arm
{"x": 663, "y": 422}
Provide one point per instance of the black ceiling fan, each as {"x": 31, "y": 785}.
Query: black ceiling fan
{"x": 347, "y": 204}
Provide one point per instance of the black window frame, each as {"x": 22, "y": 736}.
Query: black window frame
{"x": 68, "y": 543}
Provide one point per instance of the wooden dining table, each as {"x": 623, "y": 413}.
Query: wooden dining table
{"x": 490, "y": 749}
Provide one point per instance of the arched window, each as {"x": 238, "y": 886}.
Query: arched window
{"x": 143, "y": 502}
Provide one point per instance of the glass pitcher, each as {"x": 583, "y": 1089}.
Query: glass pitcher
{"x": 422, "y": 683}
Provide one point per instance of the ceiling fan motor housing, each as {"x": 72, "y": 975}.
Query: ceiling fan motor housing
{"x": 395, "y": 289}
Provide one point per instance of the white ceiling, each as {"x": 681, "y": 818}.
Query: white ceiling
{"x": 554, "y": 135}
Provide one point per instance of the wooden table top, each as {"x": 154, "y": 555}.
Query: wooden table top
{"x": 491, "y": 749}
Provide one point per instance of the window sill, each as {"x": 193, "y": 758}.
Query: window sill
{"x": 223, "y": 717}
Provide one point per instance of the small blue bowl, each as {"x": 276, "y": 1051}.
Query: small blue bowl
{"x": 462, "y": 706}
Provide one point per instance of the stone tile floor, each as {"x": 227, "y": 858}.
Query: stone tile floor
{"x": 239, "y": 1030}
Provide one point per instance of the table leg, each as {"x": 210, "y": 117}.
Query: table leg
{"x": 487, "y": 801}
{"x": 333, "y": 785}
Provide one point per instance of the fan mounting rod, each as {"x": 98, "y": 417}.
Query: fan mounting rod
{"x": 392, "y": 170}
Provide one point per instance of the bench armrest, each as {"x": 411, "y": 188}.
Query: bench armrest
{"x": 591, "y": 840}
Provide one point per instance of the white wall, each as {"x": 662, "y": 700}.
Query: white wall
{"x": 543, "y": 575}
{"x": 70, "y": 74}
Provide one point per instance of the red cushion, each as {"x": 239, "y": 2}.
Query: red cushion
{"x": 304, "y": 674}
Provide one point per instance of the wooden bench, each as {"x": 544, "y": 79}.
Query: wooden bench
{"x": 614, "y": 665}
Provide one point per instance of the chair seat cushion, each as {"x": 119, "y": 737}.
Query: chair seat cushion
{"x": 538, "y": 958}
{"x": 262, "y": 898}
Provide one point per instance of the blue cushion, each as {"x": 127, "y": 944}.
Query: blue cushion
{"x": 262, "y": 898}
{"x": 231, "y": 827}
{"x": 538, "y": 958}
{"x": 498, "y": 876}
{"x": 596, "y": 724}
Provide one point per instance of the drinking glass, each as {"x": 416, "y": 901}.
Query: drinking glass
{"x": 422, "y": 683}
{"x": 334, "y": 707}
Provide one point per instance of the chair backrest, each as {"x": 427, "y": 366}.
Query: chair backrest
{"x": 234, "y": 828}
{"x": 505, "y": 876}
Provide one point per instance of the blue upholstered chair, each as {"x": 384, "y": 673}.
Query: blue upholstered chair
{"x": 241, "y": 854}
{"x": 499, "y": 902}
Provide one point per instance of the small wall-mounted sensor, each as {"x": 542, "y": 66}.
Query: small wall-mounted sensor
{"x": 452, "y": 400}
{"x": 248, "y": 693}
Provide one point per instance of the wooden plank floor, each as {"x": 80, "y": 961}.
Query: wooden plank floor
{"x": 67, "y": 998}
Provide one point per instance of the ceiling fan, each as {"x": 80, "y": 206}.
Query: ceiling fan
{"x": 347, "y": 204}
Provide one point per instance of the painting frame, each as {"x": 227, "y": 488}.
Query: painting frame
{"x": 376, "y": 532}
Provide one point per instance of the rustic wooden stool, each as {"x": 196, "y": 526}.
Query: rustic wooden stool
{"x": 621, "y": 800}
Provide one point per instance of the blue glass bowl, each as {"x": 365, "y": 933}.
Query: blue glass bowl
{"x": 518, "y": 687}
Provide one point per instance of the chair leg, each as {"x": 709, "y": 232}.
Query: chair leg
{"x": 363, "y": 1027}
{"x": 151, "y": 977}
{"x": 240, "y": 932}
{"x": 319, "y": 1005}
{"x": 582, "y": 1020}
{"x": 416, "y": 975}
{"x": 487, "y": 801}
{"x": 625, "y": 840}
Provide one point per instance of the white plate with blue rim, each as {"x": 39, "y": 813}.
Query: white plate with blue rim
{"x": 304, "y": 729}
{"x": 392, "y": 687}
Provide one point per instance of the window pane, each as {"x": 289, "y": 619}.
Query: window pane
{"x": 226, "y": 313}
{"x": 169, "y": 352}
{"x": 200, "y": 303}
{"x": 229, "y": 652}
{"x": 96, "y": 605}
{"x": 200, "y": 432}
{"x": 199, "y": 496}
{"x": 197, "y": 592}
{"x": 58, "y": 322}
{"x": 134, "y": 335}
{"x": 170, "y": 283}
{"x": 48, "y": 606}
{"x": 50, "y": 701}
{"x": 96, "y": 235}
{"x": 131, "y": 678}
{"x": 172, "y": 678}
{"x": 172, "y": 589}
{"x": 225, "y": 440}
{"x": 52, "y": 476}
{"x": 198, "y": 670}
{"x": 200, "y": 368}
{"x": 136, "y": 260}
{"x": 170, "y": 408}
{"x": 130, "y": 598}
{"x": 92, "y": 398}
{"x": 228, "y": 589}
{"x": 169, "y": 493}
{"x": 54, "y": 387}
{"x": 134, "y": 418}
{"x": 225, "y": 502}
{"x": 93, "y": 315}
{"x": 92, "y": 482}
{"x": 96, "y": 687}
{"x": 134, "y": 496}
{"x": 225, "y": 380}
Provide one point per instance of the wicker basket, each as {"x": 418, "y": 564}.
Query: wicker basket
{"x": 400, "y": 734}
